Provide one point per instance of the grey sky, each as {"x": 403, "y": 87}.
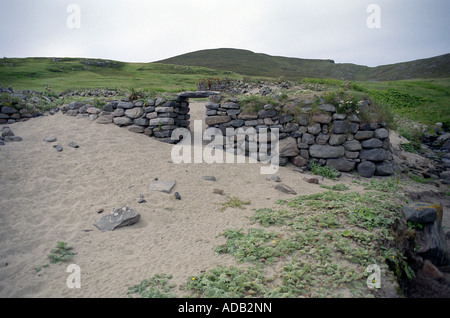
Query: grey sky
{"x": 146, "y": 31}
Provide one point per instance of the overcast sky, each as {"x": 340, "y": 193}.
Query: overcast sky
{"x": 146, "y": 31}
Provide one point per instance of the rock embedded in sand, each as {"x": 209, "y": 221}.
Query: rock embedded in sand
{"x": 119, "y": 217}
{"x": 165, "y": 186}
{"x": 275, "y": 178}
{"x": 285, "y": 188}
{"x": 50, "y": 139}
{"x": 141, "y": 199}
{"x": 7, "y": 132}
{"x": 58, "y": 148}
{"x": 312, "y": 180}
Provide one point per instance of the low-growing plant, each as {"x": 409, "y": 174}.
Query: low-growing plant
{"x": 413, "y": 135}
{"x": 324, "y": 171}
{"x": 155, "y": 287}
{"x": 234, "y": 202}
{"x": 267, "y": 217}
{"x": 415, "y": 225}
{"x": 257, "y": 246}
{"x": 98, "y": 103}
{"x": 255, "y": 103}
{"x": 387, "y": 185}
{"x": 228, "y": 282}
{"x": 61, "y": 253}
{"x": 136, "y": 94}
{"x": 419, "y": 179}
{"x": 408, "y": 147}
{"x": 336, "y": 187}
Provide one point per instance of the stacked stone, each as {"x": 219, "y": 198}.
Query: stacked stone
{"x": 9, "y": 115}
{"x": 14, "y": 112}
{"x": 155, "y": 117}
{"x": 340, "y": 141}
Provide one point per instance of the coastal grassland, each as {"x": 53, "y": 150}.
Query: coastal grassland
{"x": 423, "y": 100}
{"x": 76, "y": 74}
{"x": 316, "y": 245}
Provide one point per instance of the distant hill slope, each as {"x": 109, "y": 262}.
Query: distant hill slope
{"x": 257, "y": 64}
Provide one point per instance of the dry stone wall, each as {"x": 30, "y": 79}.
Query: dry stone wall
{"x": 153, "y": 117}
{"x": 322, "y": 136}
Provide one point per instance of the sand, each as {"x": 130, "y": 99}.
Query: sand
{"x": 48, "y": 196}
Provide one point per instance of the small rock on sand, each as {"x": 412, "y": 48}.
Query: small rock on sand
{"x": 165, "y": 186}
{"x": 284, "y": 188}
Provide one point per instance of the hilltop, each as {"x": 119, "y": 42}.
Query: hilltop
{"x": 257, "y": 64}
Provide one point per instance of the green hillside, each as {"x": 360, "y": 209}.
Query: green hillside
{"x": 422, "y": 95}
{"x": 77, "y": 73}
{"x": 256, "y": 64}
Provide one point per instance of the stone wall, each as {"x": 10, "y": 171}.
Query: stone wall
{"x": 153, "y": 117}
{"x": 322, "y": 136}
{"x": 319, "y": 135}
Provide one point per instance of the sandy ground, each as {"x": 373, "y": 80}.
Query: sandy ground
{"x": 48, "y": 196}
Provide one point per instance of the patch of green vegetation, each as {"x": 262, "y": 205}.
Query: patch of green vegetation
{"x": 317, "y": 229}
{"x": 155, "y": 287}
{"x": 61, "y": 253}
{"x": 336, "y": 187}
{"x": 413, "y": 135}
{"x": 398, "y": 99}
{"x": 257, "y": 246}
{"x": 419, "y": 179}
{"x": 78, "y": 74}
{"x": 267, "y": 217}
{"x": 408, "y": 147}
{"x": 423, "y": 101}
{"x": 234, "y": 202}
{"x": 39, "y": 268}
{"x": 322, "y": 246}
{"x": 330, "y": 82}
{"x": 255, "y": 103}
{"x": 228, "y": 282}
{"x": 346, "y": 101}
{"x": 324, "y": 171}
{"x": 391, "y": 185}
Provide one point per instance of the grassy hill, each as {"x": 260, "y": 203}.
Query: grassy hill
{"x": 422, "y": 98}
{"x": 256, "y": 64}
{"x": 77, "y": 73}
